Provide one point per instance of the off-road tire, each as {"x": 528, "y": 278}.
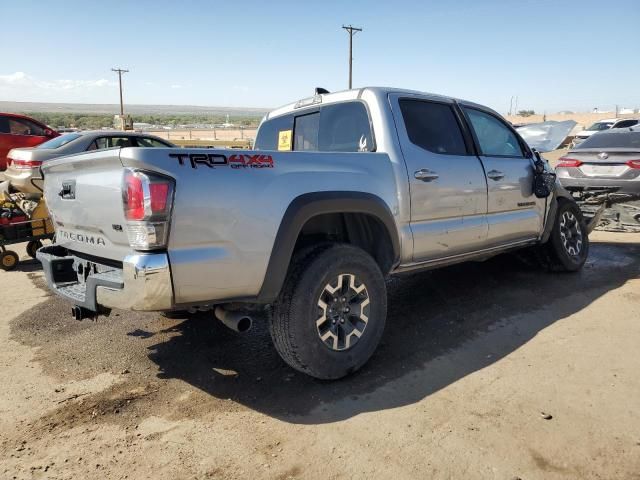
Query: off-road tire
{"x": 294, "y": 316}
{"x": 554, "y": 255}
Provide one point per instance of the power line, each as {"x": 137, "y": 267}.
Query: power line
{"x": 352, "y": 31}
{"x": 120, "y": 71}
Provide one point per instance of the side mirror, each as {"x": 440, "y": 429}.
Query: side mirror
{"x": 536, "y": 155}
{"x": 538, "y": 162}
{"x": 48, "y": 132}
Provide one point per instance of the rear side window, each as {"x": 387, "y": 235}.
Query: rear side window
{"x": 433, "y": 126}
{"x": 494, "y": 137}
{"x": 305, "y": 132}
{"x": 20, "y": 126}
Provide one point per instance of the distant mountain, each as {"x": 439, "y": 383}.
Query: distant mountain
{"x": 131, "y": 109}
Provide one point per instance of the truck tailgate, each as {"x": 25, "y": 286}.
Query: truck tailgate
{"x": 84, "y": 194}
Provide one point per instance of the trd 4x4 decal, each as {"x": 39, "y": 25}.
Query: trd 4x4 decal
{"x": 212, "y": 160}
{"x": 251, "y": 161}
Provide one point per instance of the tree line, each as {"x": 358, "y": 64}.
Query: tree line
{"x": 103, "y": 120}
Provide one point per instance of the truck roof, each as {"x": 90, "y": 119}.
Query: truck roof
{"x": 344, "y": 95}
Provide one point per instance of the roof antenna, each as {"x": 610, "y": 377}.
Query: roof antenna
{"x": 321, "y": 91}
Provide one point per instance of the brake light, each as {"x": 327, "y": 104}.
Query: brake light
{"x": 569, "y": 162}
{"x": 24, "y": 164}
{"x": 634, "y": 163}
{"x": 147, "y": 200}
{"x": 134, "y": 200}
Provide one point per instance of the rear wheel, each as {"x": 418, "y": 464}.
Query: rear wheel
{"x": 8, "y": 260}
{"x": 568, "y": 245}
{"x": 331, "y": 312}
{"x": 32, "y": 247}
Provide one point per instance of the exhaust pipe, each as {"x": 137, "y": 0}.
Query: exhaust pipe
{"x": 237, "y": 321}
{"x": 80, "y": 313}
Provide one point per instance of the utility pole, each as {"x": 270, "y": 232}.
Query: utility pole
{"x": 352, "y": 31}
{"x": 120, "y": 71}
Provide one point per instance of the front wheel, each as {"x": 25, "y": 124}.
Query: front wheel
{"x": 330, "y": 315}
{"x": 568, "y": 245}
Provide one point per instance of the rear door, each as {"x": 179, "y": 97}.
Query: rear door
{"x": 446, "y": 180}
{"x": 514, "y": 212}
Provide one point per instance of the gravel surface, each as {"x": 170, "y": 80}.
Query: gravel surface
{"x": 487, "y": 370}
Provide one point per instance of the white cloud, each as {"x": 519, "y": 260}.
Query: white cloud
{"x": 176, "y": 86}
{"x": 21, "y": 86}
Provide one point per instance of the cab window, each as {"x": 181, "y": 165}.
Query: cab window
{"x": 495, "y": 139}
{"x": 433, "y": 126}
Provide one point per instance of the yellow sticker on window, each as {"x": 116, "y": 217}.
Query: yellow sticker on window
{"x": 284, "y": 139}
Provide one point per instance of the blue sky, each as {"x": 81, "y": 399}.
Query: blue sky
{"x": 552, "y": 54}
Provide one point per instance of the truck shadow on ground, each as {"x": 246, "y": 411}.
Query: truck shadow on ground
{"x": 442, "y": 325}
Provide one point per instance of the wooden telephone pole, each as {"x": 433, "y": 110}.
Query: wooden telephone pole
{"x": 120, "y": 71}
{"x": 352, "y": 31}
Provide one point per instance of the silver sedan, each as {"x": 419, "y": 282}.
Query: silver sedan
{"x": 23, "y": 164}
{"x": 608, "y": 159}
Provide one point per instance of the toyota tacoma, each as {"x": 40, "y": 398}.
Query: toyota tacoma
{"x": 341, "y": 190}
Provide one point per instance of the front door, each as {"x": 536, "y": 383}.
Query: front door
{"x": 514, "y": 212}
{"x": 446, "y": 180}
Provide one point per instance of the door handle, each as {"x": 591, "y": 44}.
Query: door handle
{"x": 495, "y": 175}
{"x": 425, "y": 175}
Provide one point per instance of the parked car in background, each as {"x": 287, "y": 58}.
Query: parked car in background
{"x": 23, "y": 169}
{"x": 21, "y": 131}
{"x": 603, "y": 125}
{"x": 605, "y": 160}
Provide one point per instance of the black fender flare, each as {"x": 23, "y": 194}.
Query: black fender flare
{"x": 307, "y": 206}
{"x": 560, "y": 193}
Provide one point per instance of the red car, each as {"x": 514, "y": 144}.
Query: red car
{"x": 20, "y": 131}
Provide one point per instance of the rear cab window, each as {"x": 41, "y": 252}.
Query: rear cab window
{"x": 339, "y": 127}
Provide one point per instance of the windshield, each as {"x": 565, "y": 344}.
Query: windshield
{"x": 599, "y": 126}
{"x": 59, "y": 141}
{"x": 612, "y": 140}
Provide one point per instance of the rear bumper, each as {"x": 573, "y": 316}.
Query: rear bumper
{"x": 624, "y": 186}
{"x": 143, "y": 283}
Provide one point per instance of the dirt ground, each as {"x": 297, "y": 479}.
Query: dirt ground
{"x": 488, "y": 370}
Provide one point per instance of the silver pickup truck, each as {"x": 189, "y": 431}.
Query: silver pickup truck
{"x": 341, "y": 190}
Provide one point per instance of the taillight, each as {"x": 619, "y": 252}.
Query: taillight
{"x": 634, "y": 163}
{"x": 24, "y": 164}
{"x": 147, "y": 200}
{"x": 568, "y": 162}
{"x": 134, "y": 197}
